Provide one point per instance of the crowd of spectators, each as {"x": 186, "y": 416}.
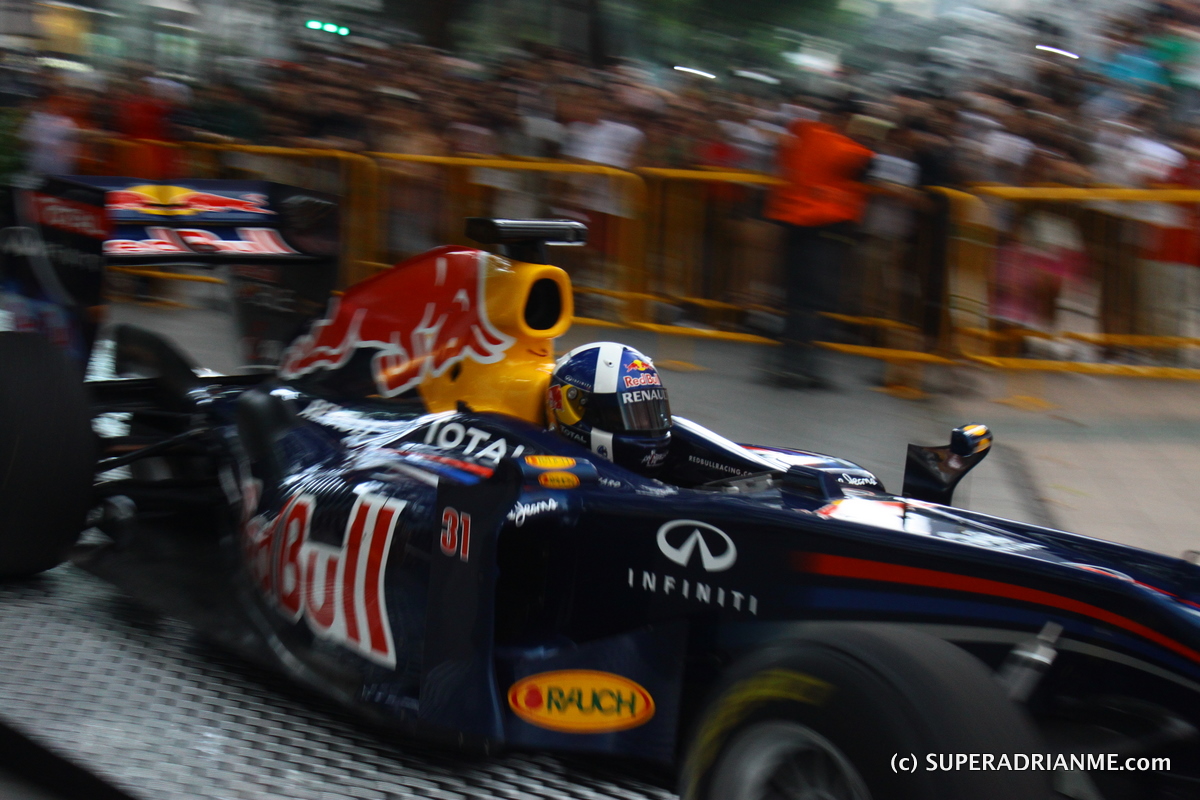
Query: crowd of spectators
{"x": 1060, "y": 125}
{"x": 413, "y": 99}
{"x": 1124, "y": 114}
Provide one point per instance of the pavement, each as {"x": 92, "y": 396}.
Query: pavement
{"x": 1115, "y": 458}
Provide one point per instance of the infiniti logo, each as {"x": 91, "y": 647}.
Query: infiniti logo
{"x": 701, "y": 535}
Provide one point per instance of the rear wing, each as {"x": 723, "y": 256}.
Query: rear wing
{"x": 216, "y": 221}
{"x": 278, "y": 244}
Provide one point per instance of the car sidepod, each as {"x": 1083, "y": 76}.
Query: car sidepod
{"x": 503, "y": 578}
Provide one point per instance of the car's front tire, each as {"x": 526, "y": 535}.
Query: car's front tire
{"x": 47, "y": 454}
{"x": 832, "y": 715}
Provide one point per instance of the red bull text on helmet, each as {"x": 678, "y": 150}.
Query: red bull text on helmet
{"x": 421, "y": 318}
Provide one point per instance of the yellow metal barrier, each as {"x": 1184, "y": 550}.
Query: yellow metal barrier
{"x": 889, "y": 355}
{"x": 703, "y": 333}
{"x": 624, "y": 241}
{"x": 870, "y": 322}
{"x": 1109, "y": 249}
{"x": 167, "y": 276}
{"x": 1068, "y": 194}
{"x": 1108, "y": 257}
{"x": 1089, "y": 368}
{"x": 698, "y": 239}
{"x": 966, "y": 293}
{"x": 359, "y": 189}
{"x": 714, "y": 253}
{"x": 658, "y": 244}
{"x": 1134, "y": 340}
{"x": 114, "y": 292}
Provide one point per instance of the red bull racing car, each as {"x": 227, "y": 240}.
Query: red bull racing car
{"x": 424, "y": 515}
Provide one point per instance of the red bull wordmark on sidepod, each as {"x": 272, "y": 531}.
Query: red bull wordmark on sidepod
{"x": 421, "y": 318}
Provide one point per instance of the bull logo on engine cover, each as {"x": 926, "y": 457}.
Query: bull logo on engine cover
{"x": 420, "y": 318}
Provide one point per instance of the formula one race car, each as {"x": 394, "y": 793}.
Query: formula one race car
{"x": 387, "y": 519}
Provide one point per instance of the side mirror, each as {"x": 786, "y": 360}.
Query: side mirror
{"x": 932, "y": 473}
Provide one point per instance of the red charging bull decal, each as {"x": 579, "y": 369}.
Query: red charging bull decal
{"x": 182, "y": 201}
{"x": 421, "y": 317}
{"x": 556, "y": 401}
{"x": 338, "y": 591}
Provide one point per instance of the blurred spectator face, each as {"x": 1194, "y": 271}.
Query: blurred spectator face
{"x": 1191, "y": 136}
{"x": 595, "y": 107}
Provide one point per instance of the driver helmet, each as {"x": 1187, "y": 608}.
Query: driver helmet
{"x": 608, "y": 397}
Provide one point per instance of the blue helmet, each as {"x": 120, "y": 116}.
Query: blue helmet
{"x": 608, "y": 397}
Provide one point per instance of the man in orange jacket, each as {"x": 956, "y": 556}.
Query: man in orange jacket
{"x": 820, "y": 203}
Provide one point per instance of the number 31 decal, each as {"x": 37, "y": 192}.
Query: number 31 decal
{"x": 456, "y": 534}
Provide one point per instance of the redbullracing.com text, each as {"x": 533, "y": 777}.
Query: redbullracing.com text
{"x": 1026, "y": 762}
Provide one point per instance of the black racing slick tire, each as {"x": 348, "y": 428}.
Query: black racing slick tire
{"x": 47, "y": 454}
{"x": 852, "y": 712}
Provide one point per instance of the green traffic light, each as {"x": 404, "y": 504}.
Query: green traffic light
{"x": 313, "y": 24}
{"x": 330, "y": 27}
{"x": 344, "y": 31}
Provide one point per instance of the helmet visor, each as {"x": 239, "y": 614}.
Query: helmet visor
{"x": 644, "y": 409}
{"x": 641, "y": 410}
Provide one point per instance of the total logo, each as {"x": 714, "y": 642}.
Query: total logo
{"x": 471, "y": 441}
{"x": 581, "y": 701}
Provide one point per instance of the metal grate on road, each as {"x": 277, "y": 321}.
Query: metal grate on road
{"x": 141, "y": 701}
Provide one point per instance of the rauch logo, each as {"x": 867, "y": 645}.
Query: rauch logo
{"x": 581, "y": 701}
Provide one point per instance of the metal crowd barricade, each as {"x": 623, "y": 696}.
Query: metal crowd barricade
{"x": 1114, "y": 258}
{"x": 351, "y": 176}
{"x": 696, "y": 256}
{"x": 105, "y": 156}
{"x": 670, "y": 248}
{"x": 708, "y": 250}
{"x": 476, "y": 186}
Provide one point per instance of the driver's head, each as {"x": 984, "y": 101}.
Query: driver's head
{"x": 608, "y": 398}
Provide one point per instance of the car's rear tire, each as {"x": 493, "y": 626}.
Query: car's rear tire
{"x": 831, "y": 715}
{"x": 47, "y": 454}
